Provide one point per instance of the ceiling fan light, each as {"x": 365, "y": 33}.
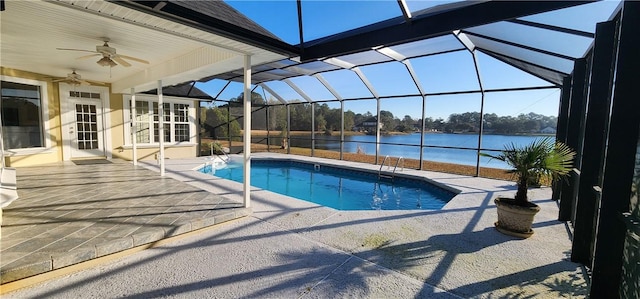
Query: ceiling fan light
{"x": 105, "y": 61}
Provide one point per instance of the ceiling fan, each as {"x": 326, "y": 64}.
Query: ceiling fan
{"x": 75, "y": 79}
{"x": 109, "y": 56}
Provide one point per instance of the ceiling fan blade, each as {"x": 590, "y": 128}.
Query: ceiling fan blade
{"x": 59, "y": 80}
{"x": 77, "y": 50}
{"x": 88, "y": 56}
{"x": 83, "y": 82}
{"x": 121, "y": 61}
{"x": 94, "y": 82}
{"x": 133, "y": 58}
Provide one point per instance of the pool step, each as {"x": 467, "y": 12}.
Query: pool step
{"x": 385, "y": 176}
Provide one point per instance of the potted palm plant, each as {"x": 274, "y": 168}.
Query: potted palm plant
{"x": 542, "y": 158}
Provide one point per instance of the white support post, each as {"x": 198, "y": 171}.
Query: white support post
{"x": 341, "y": 130}
{"x": 378, "y": 128}
{"x": 134, "y": 127}
{"x": 313, "y": 128}
{"x": 161, "y": 127}
{"x": 247, "y": 132}
{"x": 1, "y": 152}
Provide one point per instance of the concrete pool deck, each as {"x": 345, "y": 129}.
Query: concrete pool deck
{"x": 292, "y": 248}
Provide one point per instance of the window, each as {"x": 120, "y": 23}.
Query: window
{"x": 21, "y": 107}
{"x": 167, "y": 122}
{"x": 177, "y": 115}
{"x": 87, "y": 126}
{"x": 181, "y": 119}
{"x": 142, "y": 122}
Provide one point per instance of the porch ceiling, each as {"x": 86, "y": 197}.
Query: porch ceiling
{"x": 32, "y": 30}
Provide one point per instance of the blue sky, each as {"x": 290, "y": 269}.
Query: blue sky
{"x": 440, "y": 73}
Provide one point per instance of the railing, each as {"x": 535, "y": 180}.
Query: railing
{"x": 398, "y": 162}
{"x": 380, "y": 175}
{"x": 225, "y": 155}
{"x": 392, "y": 175}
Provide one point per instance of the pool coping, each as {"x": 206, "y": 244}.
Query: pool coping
{"x": 440, "y": 179}
{"x": 451, "y": 191}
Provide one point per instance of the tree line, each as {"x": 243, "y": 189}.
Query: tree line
{"x": 226, "y": 120}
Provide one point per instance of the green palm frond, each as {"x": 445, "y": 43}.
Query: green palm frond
{"x": 542, "y": 157}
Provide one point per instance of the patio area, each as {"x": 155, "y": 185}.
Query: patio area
{"x": 68, "y": 213}
{"x": 284, "y": 248}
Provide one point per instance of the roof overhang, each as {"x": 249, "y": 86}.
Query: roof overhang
{"x": 32, "y": 30}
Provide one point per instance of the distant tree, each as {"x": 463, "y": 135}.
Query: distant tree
{"x": 277, "y": 115}
{"x": 333, "y": 118}
{"x": 256, "y": 99}
{"x": 408, "y": 123}
{"x": 320, "y": 123}
{"x": 387, "y": 120}
{"x": 217, "y": 125}
{"x": 300, "y": 116}
{"x": 349, "y": 120}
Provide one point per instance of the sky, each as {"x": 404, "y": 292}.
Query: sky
{"x": 440, "y": 73}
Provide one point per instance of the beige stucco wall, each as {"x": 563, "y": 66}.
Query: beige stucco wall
{"x": 116, "y": 117}
{"x": 150, "y": 153}
{"x": 54, "y": 153}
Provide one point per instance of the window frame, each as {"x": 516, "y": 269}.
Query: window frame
{"x": 150, "y": 99}
{"x": 44, "y": 118}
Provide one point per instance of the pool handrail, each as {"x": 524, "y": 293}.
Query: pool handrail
{"x": 382, "y": 165}
{"x": 225, "y": 155}
{"x": 397, "y": 163}
{"x": 380, "y": 175}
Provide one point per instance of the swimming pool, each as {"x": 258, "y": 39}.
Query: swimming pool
{"x": 338, "y": 188}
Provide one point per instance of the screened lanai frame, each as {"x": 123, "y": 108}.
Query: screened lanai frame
{"x": 487, "y": 38}
{"x": 599, "y": 113}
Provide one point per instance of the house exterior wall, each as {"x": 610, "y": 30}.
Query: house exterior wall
{"x": 122, "y": 148}
{"x": 150, "y": 153}
{"x": 119, "y": 148}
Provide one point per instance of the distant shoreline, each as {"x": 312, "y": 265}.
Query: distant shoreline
{"x": 370, "y": 159}
{"x": 353, "y": 133}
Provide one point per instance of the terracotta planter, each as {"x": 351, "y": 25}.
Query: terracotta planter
{"x": 514, "y": 220}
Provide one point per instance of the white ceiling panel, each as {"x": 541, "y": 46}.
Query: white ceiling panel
{"x": 32, "y": 30}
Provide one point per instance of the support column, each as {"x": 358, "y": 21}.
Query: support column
{"x": 424, "y": 114}
{"x": 622, "y": 143}
{"x": 229, "y": 125}
{"x": 134, "y": 127}
{"x": 161, "y": 127}
{"x": 378, "y": 117}
{"x": 594, "y": 142}
{"x": 563, "y": 114}
{"x": 268, "y": 128}
{"x": 481, "y": 124}
{"x": 561, "y": 128}
{"x": 288, "y": 128}
{"x": 341, "y": 130}
{"x": 313, "y": 128}
{"x": 246, "y": 187}
{"x": 574, "y": 140}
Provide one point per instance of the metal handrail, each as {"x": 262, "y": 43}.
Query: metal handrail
{"x": 222, "y": 151}
{"x": 382, "y": 165}
{"x": 225, "y": 154}
{"x": 398, "y": 162}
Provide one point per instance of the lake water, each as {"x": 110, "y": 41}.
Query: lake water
{"x": 411, "y": 150}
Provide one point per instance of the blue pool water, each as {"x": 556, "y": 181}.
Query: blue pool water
{"x": 338, "y": 188}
